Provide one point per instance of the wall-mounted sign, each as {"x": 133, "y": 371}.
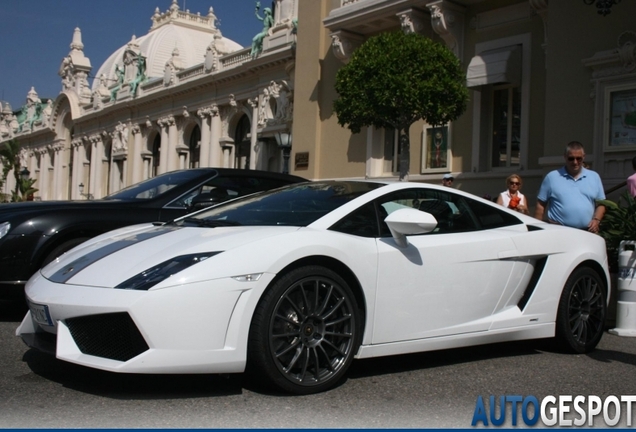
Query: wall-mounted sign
{"x": 301, "y": 161}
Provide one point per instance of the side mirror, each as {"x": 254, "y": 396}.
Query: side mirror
{"x": 206, "y": 199}
{"x": 408, "y": 221}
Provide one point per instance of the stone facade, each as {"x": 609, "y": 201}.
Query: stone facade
{"x": 541, "y": 73}
{"x": 182, "y": 96}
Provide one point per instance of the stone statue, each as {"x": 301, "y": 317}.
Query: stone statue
{"x": 66, "y": 73}
{"x": 268, "y": 22}
{"x": 32, "y": 111}
{"x": 140, "y": 76}
{"x": 120, "y": 80}
{"x": 47, "y": 111}
{"x": 262, "y": 109}
{"x": 120, "y": 137}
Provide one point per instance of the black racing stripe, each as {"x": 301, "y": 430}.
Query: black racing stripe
{"x": 73, "y": 268}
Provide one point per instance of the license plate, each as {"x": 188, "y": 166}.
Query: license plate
{"x": 41, "y": 314}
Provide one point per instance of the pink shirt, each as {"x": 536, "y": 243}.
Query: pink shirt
{"x": 631, "y": 184}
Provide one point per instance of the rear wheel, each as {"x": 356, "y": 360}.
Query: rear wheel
{"x": 305, "y": 331}
{"x": 62, "y": 248}
{"x": 581, "y": 313}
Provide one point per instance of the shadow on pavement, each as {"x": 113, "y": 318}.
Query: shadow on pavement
{"x": 432, "y": 359}
{"x": 159, "y": 386}
{"x": 130, "y": 386}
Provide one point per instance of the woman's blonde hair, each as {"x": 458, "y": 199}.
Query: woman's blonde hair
{"x": 514, "y": 176}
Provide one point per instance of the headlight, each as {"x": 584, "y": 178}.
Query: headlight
{"x": 4, "y": 228}
{"x": 152, "y": 276}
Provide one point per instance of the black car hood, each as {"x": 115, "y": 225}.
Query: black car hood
{"x": 31, "y": 207}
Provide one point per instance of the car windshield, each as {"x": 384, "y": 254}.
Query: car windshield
{"x": 294, "y": 205}
{"x": 155, "y": 186}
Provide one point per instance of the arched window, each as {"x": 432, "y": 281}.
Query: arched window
{"x": 242, "y": 143}
{"x": 194, "y": 148}
{"x": 156, "y": 152}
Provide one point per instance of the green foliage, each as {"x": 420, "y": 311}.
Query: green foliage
{"x": 395, "y": 79}
{"x": 619, "y": 223}
{"x": 24, "y": 190}
{"x": 10, "y": 158}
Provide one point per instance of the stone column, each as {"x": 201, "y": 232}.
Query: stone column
{"x": 57, "y": 190}
{"x": 76, "y": 173}
{"x": 146, "y": 168}
{"x": 164, "y": 149}
{"x": 173, "y": 156}
{"x": 43, "y": 179}
{"x": 95, "y": 179}
{"x": 136, "y": 162}
{"x": 254, "y": 154}
{"x": 215, "y": 139}
{"x": 204, "y": 150}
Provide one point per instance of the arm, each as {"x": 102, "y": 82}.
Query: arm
{"x": 500, "y": 200}
{"x": 599, "y": 212}
{"x": 523, "y": 205}
{"x": 631, "y": 185}
{"x": 540, "y": 210}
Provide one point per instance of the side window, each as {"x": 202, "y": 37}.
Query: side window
{"x": 228, "y": 187}
{"x": 490, "y": 217}
{"x": 362, "y": 222}
{"x": 454, "y": 213}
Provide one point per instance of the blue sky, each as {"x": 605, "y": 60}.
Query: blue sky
{"x": 35, "y": 35}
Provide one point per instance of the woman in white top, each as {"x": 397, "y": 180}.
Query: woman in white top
{"x": 512, "y": 198}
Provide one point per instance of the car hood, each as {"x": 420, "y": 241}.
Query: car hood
{"x": 110, "y": 260}
{"x": 31, "y": 207}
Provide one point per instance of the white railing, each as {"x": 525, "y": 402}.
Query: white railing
{"x": 235, "y": 58}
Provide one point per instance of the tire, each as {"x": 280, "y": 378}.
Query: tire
{"x": 305, "y": 332}
{"x": 581, "y": 313}
{"x": 63, "y": 248}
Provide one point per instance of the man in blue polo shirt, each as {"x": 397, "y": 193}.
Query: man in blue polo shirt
{"x": 570, "y": 193}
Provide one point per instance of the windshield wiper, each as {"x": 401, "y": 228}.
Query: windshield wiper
{"x": 210, "y": 223}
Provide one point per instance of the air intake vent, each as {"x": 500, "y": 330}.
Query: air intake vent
{"x": 113, "y": 336}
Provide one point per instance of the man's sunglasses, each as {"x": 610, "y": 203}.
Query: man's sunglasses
{"x": 572, "y": 159}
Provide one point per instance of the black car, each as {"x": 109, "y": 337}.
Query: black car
{"x": 33, "y": 234}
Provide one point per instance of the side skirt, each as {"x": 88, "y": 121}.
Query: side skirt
{"x": 537, "y": 331}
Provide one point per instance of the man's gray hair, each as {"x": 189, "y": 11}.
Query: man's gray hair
{"x": 574, "y": 145}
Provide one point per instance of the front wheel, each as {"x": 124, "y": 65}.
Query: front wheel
{"x": 305, "y": 331}
{"x": 581, "y": 313}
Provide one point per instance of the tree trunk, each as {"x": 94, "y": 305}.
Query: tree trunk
{"x": 405, "y": 153}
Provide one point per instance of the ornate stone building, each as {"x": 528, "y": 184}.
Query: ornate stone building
{"x": 540, "y": 72}
{"x": 180, "y": 96}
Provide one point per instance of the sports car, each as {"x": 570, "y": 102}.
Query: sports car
{"x": 291, "y": 285}
{"x": 32, "y": 234}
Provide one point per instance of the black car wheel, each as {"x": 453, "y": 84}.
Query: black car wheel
{"x": 305, "y": 331}
{"x": 62, "y": 248}
{"x": 581, "y": 313}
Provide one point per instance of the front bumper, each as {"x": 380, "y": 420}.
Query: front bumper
{"x": 195, "y": 328}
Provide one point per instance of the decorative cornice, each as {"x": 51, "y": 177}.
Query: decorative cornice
{"x": 616, "y": 61}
